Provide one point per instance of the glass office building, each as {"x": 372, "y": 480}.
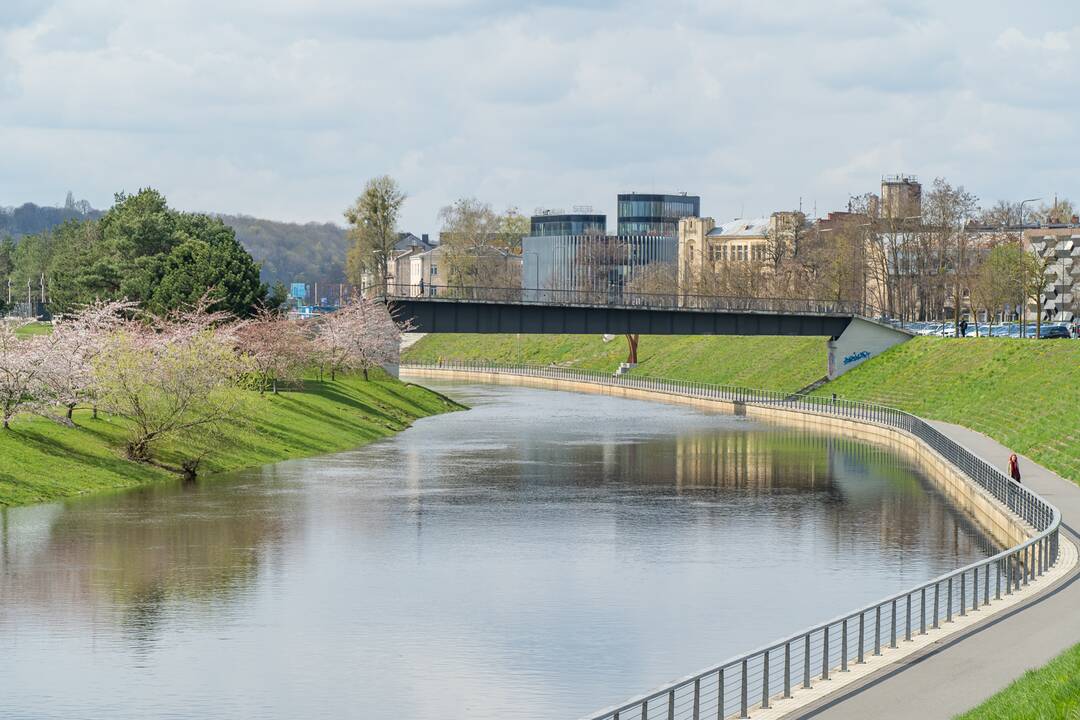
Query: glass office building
{"x": 550, "y": 225}
{"x": 656, "y": 215}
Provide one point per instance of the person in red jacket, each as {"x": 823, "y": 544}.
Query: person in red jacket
{"x": 1014, "y": 467}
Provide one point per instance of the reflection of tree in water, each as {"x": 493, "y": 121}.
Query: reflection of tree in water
{"x": 139, "y": 552}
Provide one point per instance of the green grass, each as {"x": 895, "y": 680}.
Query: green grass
{"x": 1050, "y": 693}
{"x": 33, "y": 329}
{"x": 1023, "y": 393}
{"x": 42, "y": 460}
{"x": 781, "y": 363}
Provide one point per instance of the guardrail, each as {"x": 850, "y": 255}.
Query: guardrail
{"x": 755, "y": 679}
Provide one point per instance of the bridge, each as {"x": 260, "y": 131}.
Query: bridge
{"x": 856, "y": 331}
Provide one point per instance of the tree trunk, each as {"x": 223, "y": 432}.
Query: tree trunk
{"x": 70, "y": 410}
{"x": 632, "y": 343}
{"x": 95, "y": 412}
{"x": 365, "y": 374}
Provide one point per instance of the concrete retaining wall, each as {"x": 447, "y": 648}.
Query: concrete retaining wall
{"x": 976, "y": 503}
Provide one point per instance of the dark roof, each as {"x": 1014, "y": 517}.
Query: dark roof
{"x": 407, "y": 240}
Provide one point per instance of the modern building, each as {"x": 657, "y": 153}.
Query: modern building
{"x": 548, "y": 223}
{"x": 572, "y": 252}
{"x": 656, "y": 215}
{"x": 593, "y": 267}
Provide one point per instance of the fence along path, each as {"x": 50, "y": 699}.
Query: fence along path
{"x": 755, "y": 680}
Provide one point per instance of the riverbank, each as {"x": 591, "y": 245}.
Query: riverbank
{"x": 43, "y": 460}
{"x": 1023, "y": 393}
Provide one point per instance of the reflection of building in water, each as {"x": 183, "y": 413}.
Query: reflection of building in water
{"x": 754, "y": 460}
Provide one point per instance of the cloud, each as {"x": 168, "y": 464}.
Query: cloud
{"x": 285, "y": 108}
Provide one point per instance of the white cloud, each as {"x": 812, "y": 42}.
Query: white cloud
{"x": 285, "y": 108}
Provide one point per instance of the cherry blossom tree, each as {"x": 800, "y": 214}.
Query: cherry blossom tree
{"x": 278, "y": 347}
{"x": 362, "y": 335}
{"x": 78, "y": 339}
{"x": 173, "y": 377}
{"x": 24, "y": 364}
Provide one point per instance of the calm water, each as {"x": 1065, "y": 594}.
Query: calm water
{"x": 540, "y": 556}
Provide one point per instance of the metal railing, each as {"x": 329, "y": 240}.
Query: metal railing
{"x": 756, "y": 679}
{"x": 644, "y": 301}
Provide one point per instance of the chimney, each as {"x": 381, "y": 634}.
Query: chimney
{"x": 425, "y": 239}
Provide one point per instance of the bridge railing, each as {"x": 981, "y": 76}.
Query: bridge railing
{"x": 648, "y": 301}
{"x": 756, "y": 679}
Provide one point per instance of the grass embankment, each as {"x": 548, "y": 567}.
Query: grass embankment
{"x": 1050, "y": 693}
{"x": 41, "y": 460}
{"x": 33, "y": 329}
{"x": 779, "y": 363}
{"x": 1023, "y": 393}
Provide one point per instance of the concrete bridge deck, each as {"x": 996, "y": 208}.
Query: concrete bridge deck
{"x": 959, "y": 673}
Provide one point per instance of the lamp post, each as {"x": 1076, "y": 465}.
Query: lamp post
{"x": 1023, "y": 275}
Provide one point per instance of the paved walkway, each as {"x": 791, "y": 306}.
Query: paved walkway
{"x": 959, "y": 673}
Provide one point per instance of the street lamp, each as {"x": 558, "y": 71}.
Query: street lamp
{"x": 1023, "y": 299}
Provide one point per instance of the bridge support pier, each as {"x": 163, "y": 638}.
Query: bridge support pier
{"x": 860, "y": 341}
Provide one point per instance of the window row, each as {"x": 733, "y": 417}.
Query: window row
{"x": 657, "y": 208}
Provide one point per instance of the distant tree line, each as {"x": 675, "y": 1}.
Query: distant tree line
{"x": 140, "y": 250}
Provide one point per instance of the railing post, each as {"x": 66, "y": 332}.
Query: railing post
{"x": 922, "y": 611}
{"x": 937, "y": 593}
{"x": 892, "y": 642}
{"x": 843, "y": 647}
{"x": 764, "y": 682}
{"x": 745, "y": 704}
{"x": 948, "y": 603}
{"x": 986, "y": 585}
{"x": 907, "y": 618}
{"x": 862, "y": 635}
{"x": 825, "y": 655}
{"x": 787, "y": 670}
{"x": 877, "y": 630}
{"x": 720, "y": 695}
{"x": 697, "y": 698}
{"x": 806, "y": 663}
{"x": 975, "y": 588}
{"x": 671, "y": 704}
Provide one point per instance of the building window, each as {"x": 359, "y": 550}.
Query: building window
{"x": 434, "y": 270}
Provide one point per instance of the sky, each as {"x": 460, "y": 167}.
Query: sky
{"x": 284, "y": 108}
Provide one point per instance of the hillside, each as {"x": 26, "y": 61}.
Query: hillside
{"x": 291, "y": 252}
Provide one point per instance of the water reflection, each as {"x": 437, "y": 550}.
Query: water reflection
{"x": 538, "y": 556}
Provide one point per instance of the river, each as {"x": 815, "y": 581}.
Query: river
{"x": 541, "y": 555}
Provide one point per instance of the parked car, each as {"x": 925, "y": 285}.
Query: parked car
{"x": 1051, "y": 332}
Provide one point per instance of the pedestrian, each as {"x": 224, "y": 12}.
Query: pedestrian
{"x": 963, "y": 328}
{"x": 1014, "y": 467}
{"x": 421, "y": 287}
